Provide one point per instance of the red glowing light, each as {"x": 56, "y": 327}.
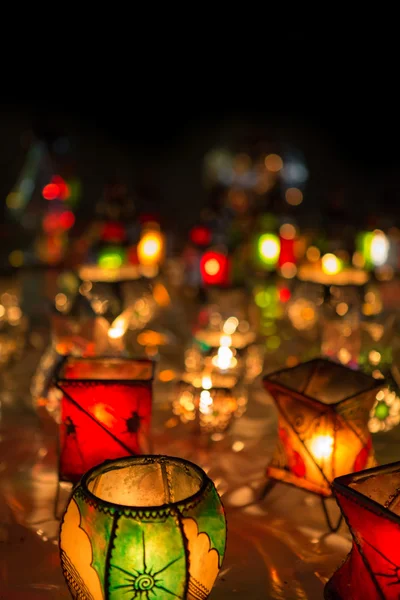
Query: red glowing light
{"x": 63, "y": 188}
{"x": 113, "y": 232}
{"x": 215, "y": 268}
{"x": 66, "y": 220}
{"x": 287, "y": 254}
{"x": 284, "y": 294}
{"x": 50, "y": 223}
{"x": 51, "y": 191}
{"x": 200, "y": 235}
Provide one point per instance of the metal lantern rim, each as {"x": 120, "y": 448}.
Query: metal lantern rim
{"x": 270, "y": 383}
{"x": 152, "y": 458}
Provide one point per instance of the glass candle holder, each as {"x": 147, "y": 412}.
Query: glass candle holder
{"x": 323, "y": 423}
{"x": 370, "y": 503}
{"x": 143, "y": 527}
{"x": 106, "y": 408}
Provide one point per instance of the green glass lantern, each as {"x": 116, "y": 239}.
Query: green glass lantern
{"x": 148, "y": 527}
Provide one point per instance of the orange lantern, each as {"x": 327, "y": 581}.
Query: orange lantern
{"x": 323, "y": 424}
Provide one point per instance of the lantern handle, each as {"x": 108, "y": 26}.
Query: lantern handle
{"x": 333, "y": 528}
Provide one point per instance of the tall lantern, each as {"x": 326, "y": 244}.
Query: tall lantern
{"x": 106, "y": 408}
{"x": 143, "y": 527}
{"x": 370, "y": 503}
{"x": 323, "y": 424}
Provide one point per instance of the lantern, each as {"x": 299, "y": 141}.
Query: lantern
{"x": 323, "y": 424}
{"x": 370, "y": 504}
{"x": 215, "y": 268}
{"x": 150, "y": 248}
{"x": 143, "y": 527}
{"x": 105, "y": 411}
{"x": 267, "y": 250}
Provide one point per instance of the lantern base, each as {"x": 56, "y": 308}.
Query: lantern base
{"x": 285, "y": 476}
{"x": 272, "y": 481}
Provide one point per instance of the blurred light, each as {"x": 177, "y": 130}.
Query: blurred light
{"x": 206, "y": 382}
{"x": 111, "y": 258}
{"x": 225, "y": 340}
{"x": 113, "y": 232}
{"x": 358, "y": 260}
{"x": 268, "y": 247}
{"x": 284, "y": 294}
{"x": 379, "y": 248}
{"x": 212, "y": 266}
{"x": 51, "y": 191}
{"x": 342, "y": 308}
{"x": 344, "y": 356}
{"x": 16, "y": 258}
{"x": 273, "y": 342}
{"x": 200, "y": 235}
{"x": 374, "y": 357}
{"x": 66, "y": 219}
{"x": 63, "y": 188}
{"x": 150, "y": 248}
{"x": 288, "y": 270}
{"x": 14, "y": 200}
{"x": 294, "y": 196}
{"x": 205, "y": 402}
{"x": 2, "y": 311}
{"x": 273, "y": 163}
{"x": 166, "y": 375}
{"x": 237, "y": 446}
{"x": 331, "y": 265}
{"x": 230, "y": 325}
{"x": 313, "y": 254}
{"x": 161, "y": 295}
{"x": 61, "y": 300}
{"x": 287, "y": 231}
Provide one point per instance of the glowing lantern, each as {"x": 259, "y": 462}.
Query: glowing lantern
{"x": 370, "y": 503}
{"x": 143, "y": 527}
{"x": 331, "y": 264}
{"x": 215, "y": 268}
{"x": 105, "y": 411}
{"x": 112, "y": 257}
{"x": 323, "y": 423}
{"x": 268, "y": 248}
{"x": 151, "y": 248}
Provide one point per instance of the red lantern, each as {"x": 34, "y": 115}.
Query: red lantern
{"x": 370, "y": 503}
{"x": 105, "y": 411}
{"x": 215, "y": 268}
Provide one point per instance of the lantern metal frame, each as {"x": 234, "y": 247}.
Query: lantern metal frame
{"x": 311, "y": 401}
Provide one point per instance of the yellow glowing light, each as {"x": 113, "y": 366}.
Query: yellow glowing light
{"x": 225, "y": 340}
{"x": 16, "y": 258}
{"x": 205, "y": 402}
{"x": 116, "y": 332}
{"x": 14, "y": 200}
{"x": 230, "y": 325}
{"x": 374, "y": 357}
{"x": 321, "y": 446}
{"x": 294, "y": 196}
{"x": 224, "y": 359}
{"x": 237, "y": 446}
{"x": 313, "y": 254}
{"x": 269, "y": 248}
{"x": 61, "y": 300}
{"x": 160, "y": 295}
{"x": 166, "y": 375}
{"x": 212, "y": 267}
{"x": 206, "y": 382}
{"x": 150, "y": 248}
{"x": 342, "y": 308}
{"x": 331, "y": 265}
{"x": 2, "y": 311}
{"x": 287, "y": 231}
{"x": 273, "y": 163}
{"x": 344, "y": 356}
{"x": 288, "y": 270}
